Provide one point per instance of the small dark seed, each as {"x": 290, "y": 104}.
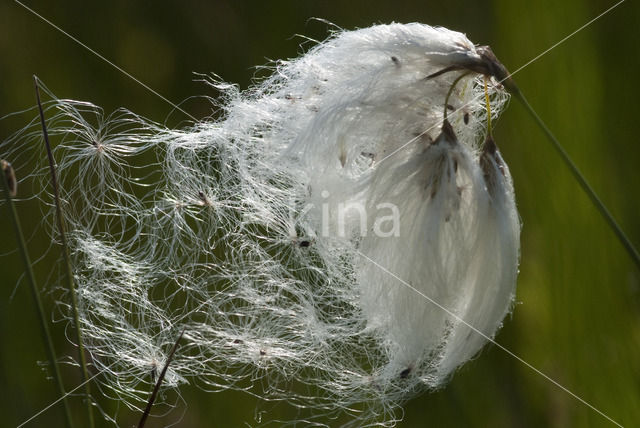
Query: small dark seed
{"x": 305, "y": 244}
{"x": 405, "y": 373}
{"x": 466, "y": 118}
{"x": 204, "y": 198}
{"x": 395, "y": 60}
{"x": 263, "y": 352}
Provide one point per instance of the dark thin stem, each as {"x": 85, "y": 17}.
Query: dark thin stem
{"x": 156, "y": 388}
{"x": 622, "y": 237}
{"x": 44, "y": 328}
{"x": 451, "y": 88}
{"x": 66, "y": 259}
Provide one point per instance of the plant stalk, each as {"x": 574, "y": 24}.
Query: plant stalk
{"x": 156, "y": 387}
{"x": 622, "y": 237}
{"x": 66, "y": 259}
{"x": 44, "y": 329}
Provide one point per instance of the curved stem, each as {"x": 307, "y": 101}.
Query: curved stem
{"x": 488, "y": 102}
{"x": 453, "y": 85}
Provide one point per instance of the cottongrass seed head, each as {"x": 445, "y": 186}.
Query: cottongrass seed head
{"x": 332, "y": 240}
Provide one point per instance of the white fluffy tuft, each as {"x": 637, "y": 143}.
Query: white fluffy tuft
{"x": 249, "y": 231}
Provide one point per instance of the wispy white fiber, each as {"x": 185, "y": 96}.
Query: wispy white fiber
{"x": 248, "y": 231}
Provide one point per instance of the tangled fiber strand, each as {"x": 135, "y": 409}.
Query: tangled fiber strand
{"x": 249, "y": 231}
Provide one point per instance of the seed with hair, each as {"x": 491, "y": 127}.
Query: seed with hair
{"x": 204, "y": 198}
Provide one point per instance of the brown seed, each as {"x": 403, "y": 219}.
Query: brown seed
{"x": 305, "y": 243}
{"x": 10, "y": 176}
{"x": 154, "y": 371}
{"x": 204, "y": 199}
{"x": 368, "y": 155}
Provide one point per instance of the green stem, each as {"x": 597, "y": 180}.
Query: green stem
{"x": 44, "y": 329}
{"x": 633, "y": 253}
{"x": 488, "y": 102}
{"x": 66, "y": 259}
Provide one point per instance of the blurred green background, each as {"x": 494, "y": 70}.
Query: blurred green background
{"x": 578, "y": 312}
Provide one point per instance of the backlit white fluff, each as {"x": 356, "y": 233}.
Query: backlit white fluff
{"x": 283, "y": 236}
